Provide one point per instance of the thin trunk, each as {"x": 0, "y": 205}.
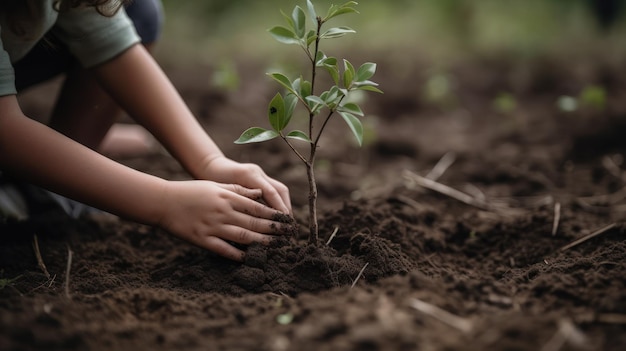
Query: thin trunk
{"x": 313, "y": 229}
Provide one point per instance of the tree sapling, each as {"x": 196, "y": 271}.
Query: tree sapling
{"x": 302, "y": 92}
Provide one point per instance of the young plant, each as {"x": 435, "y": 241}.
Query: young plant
{"x": 302, "y": 92}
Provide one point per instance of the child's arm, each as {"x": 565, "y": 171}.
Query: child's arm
{"x": 205, "y": 213}
{"x": 139, "y": 85}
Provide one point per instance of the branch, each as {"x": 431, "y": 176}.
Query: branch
{"x": 317, "y": 139}
{"x": 446, "y": 190}
{"x": 42, "y": 265}
{"x": 587, "y": 237}
{"x": 302, "y": 158}
{"x": 460, "y": 323}
{"x": 557, "y": 217}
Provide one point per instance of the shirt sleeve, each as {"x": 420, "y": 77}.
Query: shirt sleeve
{"x": 7, "y": 75}
{"x": 94, "y": 38}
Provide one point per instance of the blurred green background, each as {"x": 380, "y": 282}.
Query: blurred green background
{"x": 210, "y": 31}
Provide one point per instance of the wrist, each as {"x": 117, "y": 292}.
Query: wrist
{"x": 158, "y": 211}
{"x": 208, "y": 167}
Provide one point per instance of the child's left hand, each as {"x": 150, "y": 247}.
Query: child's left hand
{"x": 224, "y": 170}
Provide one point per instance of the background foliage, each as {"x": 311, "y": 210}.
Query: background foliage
{"x": 442, "y": 30}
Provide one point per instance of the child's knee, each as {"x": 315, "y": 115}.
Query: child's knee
{"x": 147, "y": 16}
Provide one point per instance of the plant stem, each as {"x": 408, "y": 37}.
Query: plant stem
{"x": 310, "y": 166}
{"x": 313, "y": 228}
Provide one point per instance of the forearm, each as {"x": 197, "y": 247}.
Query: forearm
{"x": 139, "y": 85}
{"x": 46, "y": 158}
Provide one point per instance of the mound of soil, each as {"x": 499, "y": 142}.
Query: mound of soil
{"x": 482, "y": 255}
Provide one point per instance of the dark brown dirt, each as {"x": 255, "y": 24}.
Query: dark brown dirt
{"x": 498, "y": 270}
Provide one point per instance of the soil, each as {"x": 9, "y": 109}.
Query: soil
{"x": 399, "y": 266}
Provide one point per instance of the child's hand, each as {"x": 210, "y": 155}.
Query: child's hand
{"x": 224, "y": 170}
{"x": 210, "y": 214}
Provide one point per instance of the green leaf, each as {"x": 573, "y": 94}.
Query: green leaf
{"x": 315, "y": 103}
{"x": 370, "y": 88}
{"x": 290, "y": 105}
{"x": 335, "y": 10}
{"x": 276, "y": 112}
{"x": 366, "y": 71}
{"x": 283, "y": 80}
{"x": 299, "y": 135}
{"x": 311, "y": 10}
{"x": 310, "y": 37}
{"x": 319, "y": 58}
{"x": 334, "y": 95}
{"x": 289, "y": 21}
{"x": 336, "y": 32}
{"x": 367, "y": 85}
{"x": 305, "y": 88}
{"x": 355, "y": 126}
{"x": 284, "y": 35}
{"x": 334, "y": 72}
{"x": 296, "y": 84}
{"x": 351, "y": 108}
{"x": 299, "y": 21}
{"x": 344, "y": 10}
{"x": 348, "y": 74}
{"x": 331, "y": 97}
{"x": 330, "y": 64}
{"x": 256, "y": 135}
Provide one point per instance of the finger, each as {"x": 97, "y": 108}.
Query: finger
{"x": 273, "y": 197}
{"x": 223, "y": 248}
{"x": 244, "y": 236}
{"x": 259, "y": 225}
{"x": 254, "y": 194}
{"x": 254, "y": 208}
{"x": 283, "y": 192}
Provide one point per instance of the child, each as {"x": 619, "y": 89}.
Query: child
{"x": 43, "y": 37}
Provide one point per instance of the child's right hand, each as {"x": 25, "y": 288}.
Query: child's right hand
{"x": 210, "y": 214}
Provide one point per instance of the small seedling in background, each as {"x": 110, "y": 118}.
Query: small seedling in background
{"x": 504, "y": 103}
{"x": 593, "y": 96}
{"x": 439, "y": 90}
{"x": 300, "y": 91}
{"x": 226, "y": 77}
{"x": 4, "y": 282}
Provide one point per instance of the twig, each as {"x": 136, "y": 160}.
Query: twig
{"x": 557, "y": 218}
{"x": 611, "y": 198}
{"x": 332, "y": 236}
{"x": 460, "y": 323}
{"x": 588, "y": 236}
{"x": 567, "y": 332}
{"x": 592, "y": 208}
{"x": 410, "y": 202}
{"x": 47, "y": 283}
{"x": 359, "y": 275}
{"x": 442, "y": 166}
{"x": 42, "y": 265}
{"x": 67, "y": 273}
{"x": 448, "y": 191}
{"x": 474, "y": 192}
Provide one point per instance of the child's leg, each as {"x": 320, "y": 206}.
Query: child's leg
{"x": 85, "y": 112}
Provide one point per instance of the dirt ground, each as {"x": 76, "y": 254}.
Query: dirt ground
{"x": 452, "y": 229}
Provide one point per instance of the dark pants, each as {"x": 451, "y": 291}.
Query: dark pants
{"x": 49, "y": 57}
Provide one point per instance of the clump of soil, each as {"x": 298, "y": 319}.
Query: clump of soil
{"x": 292, "y": 267}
